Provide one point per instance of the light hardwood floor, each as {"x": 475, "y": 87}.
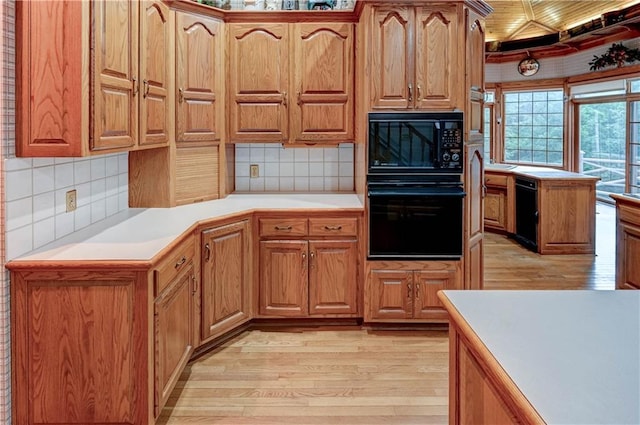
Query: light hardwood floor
{"x": 363, "y": 377}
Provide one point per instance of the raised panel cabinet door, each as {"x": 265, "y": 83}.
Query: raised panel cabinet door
{"x": 156, "y": 65}
{"x": 284, "y": 278}
{"x": 495, "y": 209}
{"x": 474, "y": 214}
{"x": 390, "y": 294}
{"x": 80, "y": 347}
{"x": 52, "y": 78}
{"x": 427, "y": 283}
{"x": 225, "y": 281}
{"x": 259, "y": 70}
{"x": 392, "y": 74}
{"x": 116, "y": 86}
{"x": 439, "y": 76}
{"x": 475, "y": 72}
{"x": 628, "y": 252}
{"x": 323, "y": 81}
{"x": 173, "y": 334}
{"x": 199, "y": 78}
{"x": 333, "y": 277}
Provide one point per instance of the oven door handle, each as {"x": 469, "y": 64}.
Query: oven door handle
{"x": 449, "y": 193}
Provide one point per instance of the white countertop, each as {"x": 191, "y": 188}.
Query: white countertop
{"x": 141, "y": 233}
{"x": 537, "y": 172}
{"x": 575, "y": 355}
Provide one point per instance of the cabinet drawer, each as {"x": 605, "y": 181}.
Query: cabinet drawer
{"x": 176, "y": 261}
{"x": 283, "y": 227}
{"x": 495, "y": 180}
{"x": 333, "y": 226}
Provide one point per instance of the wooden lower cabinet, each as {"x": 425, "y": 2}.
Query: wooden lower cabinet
{"x": 497, "y": 215}
{"x": 409, "y": 294}
{"x": 225, "y": 291}
{"x": 627, "y": 242}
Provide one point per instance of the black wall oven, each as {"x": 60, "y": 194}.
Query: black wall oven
{"x": 414, "y": 186}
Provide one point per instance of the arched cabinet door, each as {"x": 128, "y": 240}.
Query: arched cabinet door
{"x": 474, "y": 217}
{"x": 259, "y": 97}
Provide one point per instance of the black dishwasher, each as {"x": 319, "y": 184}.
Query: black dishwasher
{"x": 527, "y": 213}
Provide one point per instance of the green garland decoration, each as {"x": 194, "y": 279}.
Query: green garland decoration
{"x": 616, "y": 55}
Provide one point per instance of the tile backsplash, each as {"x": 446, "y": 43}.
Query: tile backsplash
{"x": 294, "y": 169}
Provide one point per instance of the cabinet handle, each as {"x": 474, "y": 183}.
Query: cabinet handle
{"x": 299, "y": 95}
{"x": 195, "y": 285}
{"x": 207, "y": 252}
{"x": 284, "y": 98}
{"x": 332, "y": 227}
{"x": 180, "y": 95}
{"x": 419, "y": 92}
{"x": 304, "y": 258}
{"x": 181, "y": 262}
{"x": 145, "y": 88}
{"x": 283, "y": 228}
{"x": 409, "y": 290}
{"x": 135, "y": 86}
{"x": 417, "y": 290}
{"x": 410, "y": 92}
{"x": 313, "y": 256}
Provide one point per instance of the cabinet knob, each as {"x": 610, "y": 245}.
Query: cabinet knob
{"x": 145, "y": 88}
{"x": 299, "y": 96}
{"x": 207, "y": 252}
{"x": 304, "y": 258}
{"x": 180, "y": 95}
{"x": 135, "y": 86}
{"x": 284, "y": 98}
{"x": 410, "y": 92}
{"x": 313, "y": 256}
{"x": 419, "y": 92}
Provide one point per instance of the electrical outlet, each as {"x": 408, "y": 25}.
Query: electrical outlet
{"x": 254, "y": 171}
{"x": 72, "y": 200}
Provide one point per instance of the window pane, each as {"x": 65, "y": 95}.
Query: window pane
{"x": 533, "y": 127}
{"x": 635, "y": 86}
{"x": 634, "y": 139}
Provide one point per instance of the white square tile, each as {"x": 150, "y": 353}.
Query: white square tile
{"x": 286, "y": 184}
{"x": 111, "y": 165}
{"x": 82, "y": 171}
{"x": 82, "y": 217}
{"x": 257, "y": 154}
{"x": 286, "y": 169}
{"x": 243, "y": 169}
{"x": 44, "y": 206}
{"x": 98, "y": 190}
{"x": 346, "y": 183}
{"x": 83, "y": 194}
{"x": 345, "y": 154}
{"x": 301, "y": 155}
{"x": 111, "y": 186}
{"x": 272, "y": 184}
{"x": 316, "y": 154}
{"x": 272, "y": 154}
{"x": 98, "y": 210}
{"x": 256, "y": 184}
{"x": 243, "y": 153}
{"x": 331, "y": 184}
{"x": 18, "y": 184}
{"x": 301, "y": 184}
{"x": 63, "y": 175}
{"x": 286, "y": 154}
{"x": 14, "y": 164}
{"x": 123, "y": 201}
{"x": 60, "y": 201}
{"x": 43, "y": 179}
{"x": 42, "y": 162}
{"x": 111, "y": 203}
{"x": 123, "y": 163}
{"x": 98, "y": 168}
{"x": 44, "y": 232}
{"x": 64, "y": 224}
{"x": 19, "y": 241}
{"x": 242, "y": 184}
{"x": 19, "y": 213}
{"x": 331, "y": 169}
{"x": 331, "y": 154}
{"x": 316, "y": 169}
{"x": 301, "y": 169}
{"x": 346, "y": 169}
{"x": 271, "y": 169}
{"x": 63, "y": 160}
{"x": 123, "y": 182}
{"x": 316, "y": 184}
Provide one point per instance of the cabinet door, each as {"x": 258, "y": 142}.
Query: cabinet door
{"x": 323, "y": 69}
{"x": 628, "y": 252}
{"x": 474, "y": 218}
{"x": 390, "y": 294}
{"x": 115, "y": 80}
{"x": 333, "y": 277}
{"x": 225, "y": 282}
{"x": 259, "y": 70}
{"x": 173, "y": 334}
{"x": 475, "y": 72}
{"x": 438, "y": 76}
{"x": 199, "y": 76}
{"x": 495, "y": 209}
{"x": 427, "y": 283}
{"x": 391, "y": 60}
{"x": 156, "y": 38}
{"x": 283, "y": 278}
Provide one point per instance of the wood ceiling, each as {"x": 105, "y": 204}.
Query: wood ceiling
{"x": 555, "y": 27}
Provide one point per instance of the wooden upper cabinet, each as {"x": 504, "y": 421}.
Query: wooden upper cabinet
{"x": 475, "y": 72}
{"x": 323, "y": 78}
{"x": 199, "y": 79}
{"x": 115, "y": 82}
{"x": 156, "y": 72}
{"x": 415, "y": 56}
{"x": 259, "y": 70}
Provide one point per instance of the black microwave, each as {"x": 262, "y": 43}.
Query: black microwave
{"x": 415, "y": 142}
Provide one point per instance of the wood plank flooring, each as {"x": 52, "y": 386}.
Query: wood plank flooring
{"x": 363, "y": 377}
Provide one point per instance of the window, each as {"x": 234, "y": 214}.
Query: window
{"x": 533, "y": 129}
{"x": 488, "y": 124}
{"x": 634, "y": 151}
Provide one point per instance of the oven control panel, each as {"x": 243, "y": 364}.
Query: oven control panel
{"x": 451, "y": 148}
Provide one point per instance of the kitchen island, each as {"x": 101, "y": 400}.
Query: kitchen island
{"x": 627, "y": 240}
{"x": 556, "y": 357}
{"x": 550, "y": 211}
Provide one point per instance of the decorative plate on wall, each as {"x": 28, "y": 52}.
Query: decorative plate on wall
{"x": 528, "y": 67}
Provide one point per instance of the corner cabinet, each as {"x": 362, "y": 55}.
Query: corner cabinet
{"x": 416, "y": 57}
{"x": 309, "y": 267}
{"x": 108, "y": 89}
{"x": 292, "y": 82}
